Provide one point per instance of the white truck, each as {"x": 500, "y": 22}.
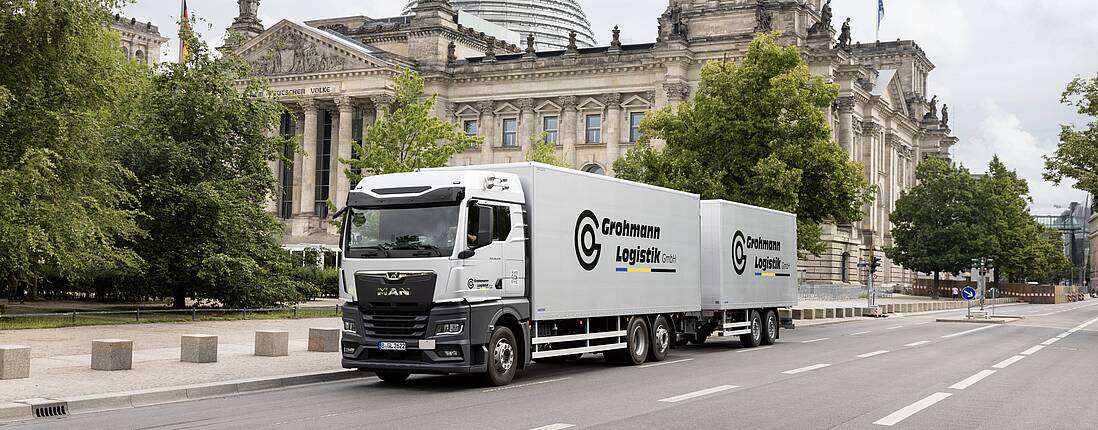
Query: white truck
{"x": 483, "y": 269}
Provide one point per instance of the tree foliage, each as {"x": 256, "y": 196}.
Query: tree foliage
{"x": 408, "y": 138}
{"x": 543, "y": 151}
{"x": 937, "y": 225}
{"x": 756, "y": 133}
{"x": 200, "y": 155}
{"x": 1077, "y": 155}
{"x": 64, "y": 88}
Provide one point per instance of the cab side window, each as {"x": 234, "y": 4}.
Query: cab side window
{"x": 502, "y": 229}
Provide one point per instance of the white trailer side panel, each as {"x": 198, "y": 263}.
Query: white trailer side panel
{"x": 749, "y": 256}
{"x": 602, "y": 246}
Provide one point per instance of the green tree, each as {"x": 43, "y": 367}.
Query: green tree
{"x": 1008, "y": 225}
{"x": 1077, "y": 155}
{"x": 937, "y": 225}
{"x": 200, "y": 156}
{"x": 756, "y": 133}
{"x": 63, "y": 85}
{"x": 1050, "y": 263}
{"x": 408, "y": 138}
{"x": 543, "y": 151}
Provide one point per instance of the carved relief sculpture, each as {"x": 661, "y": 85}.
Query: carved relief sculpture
{"x": 296, "y": 54}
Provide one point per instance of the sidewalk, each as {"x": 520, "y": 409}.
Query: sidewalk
{"x": 809, "y": 313}
{"x": 61, "y": 358}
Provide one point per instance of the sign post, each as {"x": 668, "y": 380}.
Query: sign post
{"x": 969, "y": 294}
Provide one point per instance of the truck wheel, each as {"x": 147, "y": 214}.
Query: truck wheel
{"x": 660, "y": 339}
{"x": 392, "y": 377}
{"x": 502, "y": 357}
{"x": 770, "y": 328}
{"x": 751, "y": 340}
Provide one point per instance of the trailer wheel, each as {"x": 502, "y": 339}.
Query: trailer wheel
{"x": 770, "y": 328}
{"x": 392, "y": 377}
{"x": 502, "y": 357}
{"x": 752, "y": 339}
{"x": 661, "y": 339}
{"x": 636, "y": 344}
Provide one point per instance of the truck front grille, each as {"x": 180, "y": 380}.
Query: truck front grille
{"x": 394, "y": 320}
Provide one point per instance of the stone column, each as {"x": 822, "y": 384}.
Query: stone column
{"x": 612, "y": 125}
{"x": 382, "y": 104}
{"x": 275, "y": 168}
{"x": 526, "y": 124}
{"x": 567, "y": 128}
{"x": 307, "y": 204}
{"x": 342, "y": 151}
{"x": 487, "y": 130}
{"x": 846, "y": 125}
{"x": 298, "y": 161}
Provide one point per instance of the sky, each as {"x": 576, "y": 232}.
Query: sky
{"x": 1001, "y": 65}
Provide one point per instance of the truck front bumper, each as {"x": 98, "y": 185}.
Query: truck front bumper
{"x": 424, "y": 353}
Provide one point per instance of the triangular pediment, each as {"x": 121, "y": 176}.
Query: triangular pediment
{"x": 890, "y": 90}
{"x": 292, "y": 48}
{"x": 547, "y": 106}
{"x": 636, "y": 102}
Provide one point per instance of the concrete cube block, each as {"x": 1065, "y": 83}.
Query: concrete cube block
{"x": 829, "y": 313}
{"x": 324, "y": 339}
{"x": 821, "y": 314}
{"x": 785, "y": 313}
{"x": 14, "y": 362}
{"x": 272, "y": 343}
{"x": 198, "y": 348}
{"x": 799, "y": 314}
{"x": 112, "y": 354}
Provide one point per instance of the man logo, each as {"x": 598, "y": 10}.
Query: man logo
{"x": 588, "y": 250}
{"x": 739, "y": 253}
{"x": 385, "y": 291}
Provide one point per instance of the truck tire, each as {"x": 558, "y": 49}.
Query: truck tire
{"x": 392, "y": 377}
{"x": 752, "y": 339}
{"x": 770, "y": 327}
{"x": 660, "y": 342}
{"x": 636, "y": 344}
{"x": 502, "y": 357}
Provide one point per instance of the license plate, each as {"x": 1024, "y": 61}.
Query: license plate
{"x": 392, "y": 346}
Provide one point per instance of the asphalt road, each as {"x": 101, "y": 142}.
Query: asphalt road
{"x": 905, "y": 372}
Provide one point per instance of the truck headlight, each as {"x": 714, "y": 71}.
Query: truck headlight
{"x": 349, "y": 326}
{"x": 449, "y": 328}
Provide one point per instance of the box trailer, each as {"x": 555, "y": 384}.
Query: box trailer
{"x": 486, "y": 268}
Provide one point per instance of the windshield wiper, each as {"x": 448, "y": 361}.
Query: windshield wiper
{"x": 384, "y": 251}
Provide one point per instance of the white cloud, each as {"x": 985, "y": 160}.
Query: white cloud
{"x": 1002, "y": 133}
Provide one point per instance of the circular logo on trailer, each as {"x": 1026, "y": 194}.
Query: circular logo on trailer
{"x": 739, "y": 253}
{"x": 472, "y": 284}
{"x": 588, "y": 250}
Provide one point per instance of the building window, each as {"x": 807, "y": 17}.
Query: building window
{"x": 139, "y": 55}
{"x": 551, "y": 125}
{"x": 634, "y": 126}
{"x": 510, "y": 132}
{"x": 323, "y": 165}
{"x": 844, "y": 267}
{"x": 596, "y": 169}
{"x": 470, "y": 127}
{"x": 594, "y": 128}
{"x": 287, "y": 129}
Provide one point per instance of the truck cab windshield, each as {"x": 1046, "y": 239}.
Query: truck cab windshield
{"x": 420, "y": 232}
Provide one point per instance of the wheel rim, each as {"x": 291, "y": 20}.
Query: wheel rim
{"x": 640, "y": 340}
{"x": 755, "y": 330}
{"x": 771, "y": 326}
{"x": 504, "y": 356}
{"x": 663, "y": 337}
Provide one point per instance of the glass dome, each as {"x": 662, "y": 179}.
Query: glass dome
{"x": 549, "y": 21}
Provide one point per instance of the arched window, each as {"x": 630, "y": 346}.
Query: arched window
{"x": 139, "y": 55}
{"x": 595, "y": 168}
{"x": 126, "y": 52}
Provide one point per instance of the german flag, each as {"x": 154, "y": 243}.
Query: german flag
{"x": 184, "y": 32}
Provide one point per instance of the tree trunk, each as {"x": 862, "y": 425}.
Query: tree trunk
{"x": 32, "y": 289}
{"x": 13, "y": 283}
{"x": 179, "y": 297}
{"x": 934, "y": 291}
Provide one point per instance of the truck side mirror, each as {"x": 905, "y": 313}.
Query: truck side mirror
{"x": 466, "y": 254}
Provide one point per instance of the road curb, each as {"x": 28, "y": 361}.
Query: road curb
{"x": 21, "y": 411}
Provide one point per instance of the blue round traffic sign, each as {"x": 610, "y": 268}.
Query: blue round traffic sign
{"x": 968, "y": 293}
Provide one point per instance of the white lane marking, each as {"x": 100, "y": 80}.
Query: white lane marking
{"x": 1063, "y": 335}
{"x": 557, "y": 426}
{"x": 699, "y": 393}
{"x": 921, "y": 342}
{"x": 754, "y": 349}
{"x": 509, "y": 387}
{"x": 968, "y": 331}
{"x": 1032, "y": 350}
{"x": 924, "y": 322}
{"x": 664, "y": 362}
{"x": 1003, "y": 364}
{"x": 816, "y": 340}
{"x": 893, "y": 328}
{"x": 972, "y": 380}
{"x": 861, "y": 332}
{"x": 870, "y": 354}
{"x": 806, "y": 369}
{"x": 1050, "y": 341}
{"x": 912, "y": 409}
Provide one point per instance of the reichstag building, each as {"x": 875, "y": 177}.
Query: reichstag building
{"x": 336, "y": 74}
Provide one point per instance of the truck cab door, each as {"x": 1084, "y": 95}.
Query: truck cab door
{"x": 513, "y": 233}
{"x": 484, "y": 269}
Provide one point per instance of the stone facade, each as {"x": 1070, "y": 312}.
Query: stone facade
{"x": 1093, "y": 264}
{"x": 589, "y": 100}
{"x": 140, "y": 40}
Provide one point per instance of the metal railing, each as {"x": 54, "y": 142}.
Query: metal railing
{"x": 839, "y": 292}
